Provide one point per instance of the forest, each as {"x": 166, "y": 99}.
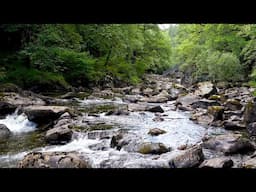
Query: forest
{"x": 87, "y": 55}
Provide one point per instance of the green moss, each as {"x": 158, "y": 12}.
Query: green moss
{"x": 22, "y": 142}
{"x": 145, "y": 149}
{"x": 97, "y": 109}
{"x": 215, "y": 97}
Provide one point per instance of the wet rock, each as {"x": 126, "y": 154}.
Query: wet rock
{"x": 182, "y": 147}
{"x": 44, "y": 114}
{"x": 6, "y": 108}
{"x": 229, "y": 114}
{"x": 233, "y": 104}
{"x": 102, "y": 146}
{"x": 155, "y": 109}
{"x": 100, "y": 134}
{"x": 148, "y": 91}
{"x": 229, "y": 144}
{"x": 4, "y": 132}
{"x": 202, "y": 118}
{"x": 133, "y": 98}
{"x": 251, "y": 128}
{"x": 250, "y": 112}
{"x": 107, "y": 93}
{"x": 137, "y": 106}
{"x": 249, "y": 164}
{"x": 135, "y": 91}
{"x": 123, "y": 139}
{"x": 174, "y": 93}
{"x": 117, "y": 112}
{"x": 216, "y": 111}
{"x": 156, "y": 132}
{"x": 219, "y": 162}
{"x": 190, "y": 158}
{"x": 215, "y": 97}
{"x": 152, "y": 148}
{"x": 147, "y": 163}
{"x": 204, "y": 103}
{"x": 206, "y": 89}
{"x": 58, "y": 135}
{"x": 233, "y": 125}
{"x": 187, "y": 100}
{"x": 158, "y": 119}
{"x": 54, "y": 160}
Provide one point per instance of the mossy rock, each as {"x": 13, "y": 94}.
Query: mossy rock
{"x": 215, "y": 97}
{"x": 9, "y": 87}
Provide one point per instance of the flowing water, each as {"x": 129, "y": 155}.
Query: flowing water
{"x": 180, "y": 130}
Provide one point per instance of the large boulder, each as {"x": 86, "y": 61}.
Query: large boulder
{"x": 204, "y": 103}
{"x": 4, "y": 132}
{"x": 156, "y": 132}
{"x": 152, "y": 148}
{"x": 6, "y": 108}
{"x": 44, "y": 114}
{"x": 205, "y": 89}
{"x": 187, "y": 100}
{"x": 189, "y": 158}
{"x": 218, "y": 162}
{"x": 54, "y": 160}
{"x": 58, "y": 135}
{"x": 229, "y": 144}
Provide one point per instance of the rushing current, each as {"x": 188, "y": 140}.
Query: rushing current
{"x": 179, "y": 131}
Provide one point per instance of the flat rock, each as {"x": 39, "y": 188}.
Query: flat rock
{"x": 54, "y": 160}
{"x": 218, "y": 162}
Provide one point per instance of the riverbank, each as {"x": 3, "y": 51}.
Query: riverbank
{"x": 157, "y": 124}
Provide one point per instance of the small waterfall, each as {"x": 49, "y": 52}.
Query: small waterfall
{"x": 18, "y": 123}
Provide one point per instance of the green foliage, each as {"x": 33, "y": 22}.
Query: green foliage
{"x": 84, "y": 54}
{"x": 217, "y": 52}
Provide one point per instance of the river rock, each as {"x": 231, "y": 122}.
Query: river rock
{"x": 189, "y": 158}
{"x": 251, "y": 128}
{"x": 218, "y": 162}
{"x": 148, "y": 91}
{"x": 152, "y": 148}
{"x": 117, "y": 112}
{"x": 58, "y": 135}
{"x": 44, "y": 114}
{"x": 133, "y": 98}
{"x": 6, "y": 108}
{"x": 122, "y": 139}
{"x": 187, "y": 100}
{"x": 155, "y": 109}
{"x": 216, "y": 111}
{"x": 204, "y": 103}
{"x": 205, "y": 89}
{"x": 229, "y": 144}
{"x": 233, "y": 125}
{"x": 250, "y": 112}
{"x": 249, "y": 164}
{"x": 4, "y": 132}
{"x": 233, "y": 104}
{"x": 54, "y": 160}
{"x": 100, "y": 134}
{"x": 229, "y": 114}
{"x": 156, "y": 132}
{"x": 135, "y": 91}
